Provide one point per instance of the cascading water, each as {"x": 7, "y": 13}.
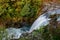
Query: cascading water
{"x": 41, "y": 21}
{"x": 44, "y": 20}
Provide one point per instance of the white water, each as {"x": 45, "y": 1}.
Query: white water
{"x": 42, "y": 20}
{"x": 14, "y": 33}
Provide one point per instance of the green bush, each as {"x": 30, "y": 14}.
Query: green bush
{"x": 16, "y": 9}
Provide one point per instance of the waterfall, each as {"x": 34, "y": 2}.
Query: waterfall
{"x": 42, "y": 20}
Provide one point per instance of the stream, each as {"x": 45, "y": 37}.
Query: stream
{"x": 43, "y": 20}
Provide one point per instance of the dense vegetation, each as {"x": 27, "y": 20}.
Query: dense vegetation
{"x": 18, "y": 10}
